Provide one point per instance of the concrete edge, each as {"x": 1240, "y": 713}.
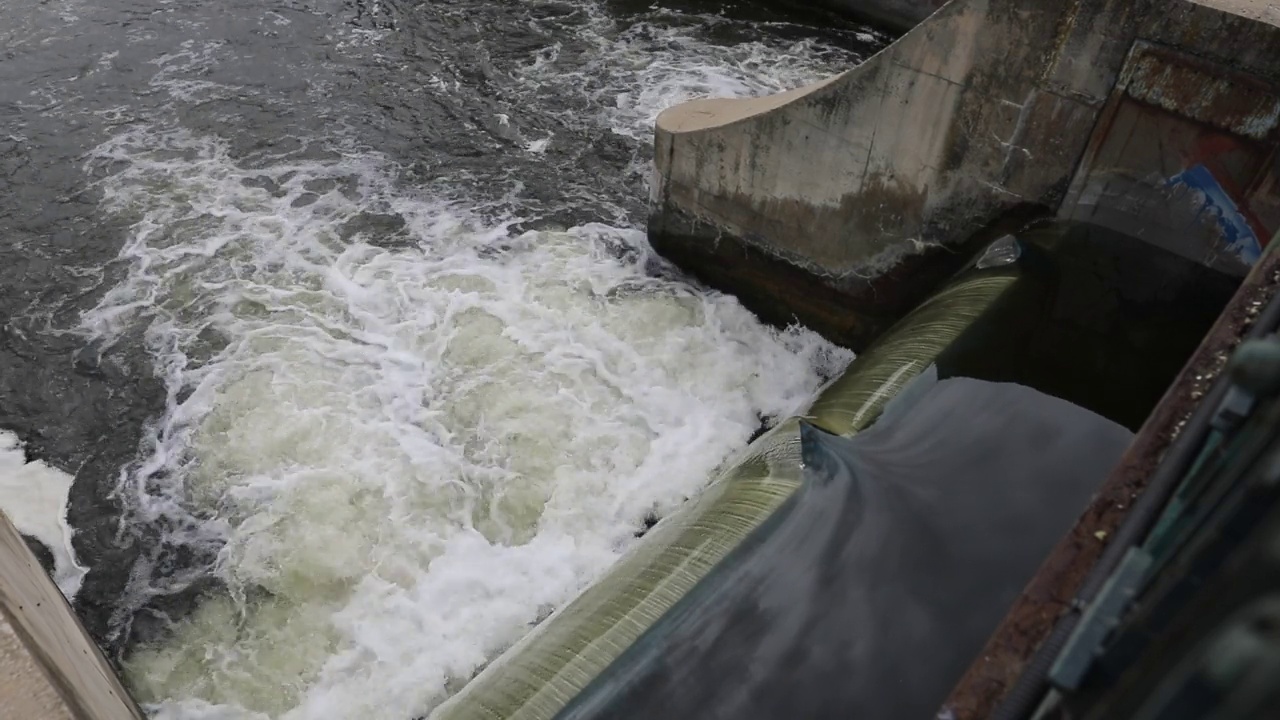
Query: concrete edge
{"x": 1052, "y": 591}
{"x": 51, "y": 638}
{"x": 715, "y": 113}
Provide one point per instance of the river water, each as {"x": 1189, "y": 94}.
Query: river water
{"x": 341, "y": 317}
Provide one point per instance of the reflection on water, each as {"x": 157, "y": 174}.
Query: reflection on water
{"x": 871, "y": 590}
{"x": 1099, "y": 318}
{"x": 370, "y": 356}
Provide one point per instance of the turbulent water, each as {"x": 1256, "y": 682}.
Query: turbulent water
{"x": 340, "y": 316}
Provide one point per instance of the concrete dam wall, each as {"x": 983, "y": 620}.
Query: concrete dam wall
{"x": 841, "y": 204}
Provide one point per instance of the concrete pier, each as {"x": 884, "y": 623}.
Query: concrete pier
{"x": 843, "y": 203}
{"x": 50, "y": 668}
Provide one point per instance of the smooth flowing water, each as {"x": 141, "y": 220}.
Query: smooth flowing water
{"x": 341, "y": 317}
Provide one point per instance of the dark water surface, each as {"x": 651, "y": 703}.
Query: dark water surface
{"x": 871, "y": 590}
{"x": 186, "y": 187}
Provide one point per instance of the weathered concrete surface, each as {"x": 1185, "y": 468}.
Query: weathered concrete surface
{"x": 842, "y": 203}
{"x": 1266, "y": 11}
{"x": 1184, "y": 151}
{"x": 49, "y": 667}
{"x": 25, "y": 691}
{"x": 983, "y": 108}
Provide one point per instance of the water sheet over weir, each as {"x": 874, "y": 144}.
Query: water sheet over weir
{"x": 538, "y": 677}
{"x": 970, "y": 476}
{"x": 868, "y": 592}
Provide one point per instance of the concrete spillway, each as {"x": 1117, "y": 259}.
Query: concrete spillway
{"x": 843, "y": 203}
{"x": 647, "y": 639}
{"x": 539, "y": 677}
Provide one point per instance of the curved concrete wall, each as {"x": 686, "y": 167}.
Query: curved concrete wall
{"x": 982, "y": 108}
{"x": 49, "y": 667}
{"x": 842, "y": 204}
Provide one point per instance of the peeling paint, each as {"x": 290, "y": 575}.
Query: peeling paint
{"x": 1217, "y": 207}
{"x": 1179, "y": 158}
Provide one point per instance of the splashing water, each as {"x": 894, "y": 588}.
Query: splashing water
{"x": 403, "y": 445}
{"x": 399, "y": 427}
{"x": 629, "y": 77}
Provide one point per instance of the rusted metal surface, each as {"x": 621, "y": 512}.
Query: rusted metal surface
{"x": 1053, "y": 589}
{"x": 1203, "y": 91}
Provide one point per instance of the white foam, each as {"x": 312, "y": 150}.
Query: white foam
{"x": 34, "y": 498}
{"x": 411, "y": 444}
{"x": 537, "y": 147}
{"x": 635, "y": 73}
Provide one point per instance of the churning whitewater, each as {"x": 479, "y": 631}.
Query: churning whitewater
{"x": 422, "y": 378}
{"x": 406, "y": 448}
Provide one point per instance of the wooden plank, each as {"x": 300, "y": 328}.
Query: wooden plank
{"x": 50, "y": 669}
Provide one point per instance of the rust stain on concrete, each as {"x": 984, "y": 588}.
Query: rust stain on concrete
{"x": 1182, "y": 84}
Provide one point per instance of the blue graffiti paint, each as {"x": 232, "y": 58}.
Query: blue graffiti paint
{"x": 1236, "y": 232}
